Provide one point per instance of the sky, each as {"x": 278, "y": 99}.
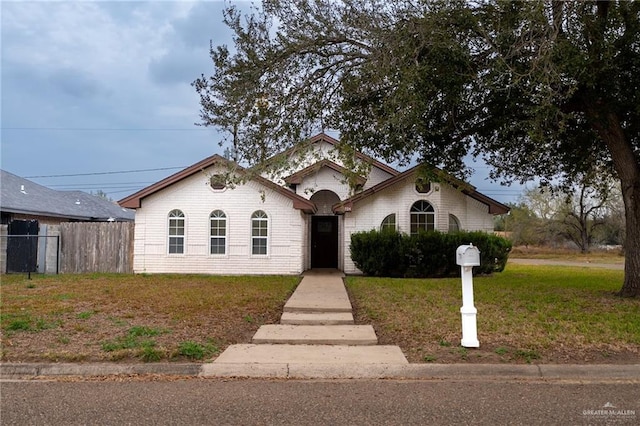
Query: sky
{"x": 97, "y": 96}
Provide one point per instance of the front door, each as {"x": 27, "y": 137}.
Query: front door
{"x": 324, "y": 242}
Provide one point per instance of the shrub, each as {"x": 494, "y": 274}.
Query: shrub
{"x": 380, "y": 253}
{"x": 428, "y": 254}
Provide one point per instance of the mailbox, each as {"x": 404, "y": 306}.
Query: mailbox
{"x": 468, "y": 256}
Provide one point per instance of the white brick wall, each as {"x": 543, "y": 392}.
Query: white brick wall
{"x": 327, "y": 178}
{"x": 287, "y": 230}
{"x": 369, "y": 213}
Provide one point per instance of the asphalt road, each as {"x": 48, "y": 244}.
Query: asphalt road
{"x": 262, "y": 402}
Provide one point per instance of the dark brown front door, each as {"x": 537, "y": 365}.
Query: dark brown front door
{"x": 324, "y": 242}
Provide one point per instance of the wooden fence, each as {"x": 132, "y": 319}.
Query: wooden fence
{"x": 96, "y": 247}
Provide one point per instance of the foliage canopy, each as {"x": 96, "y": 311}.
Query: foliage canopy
{"x": 540, "y": 89}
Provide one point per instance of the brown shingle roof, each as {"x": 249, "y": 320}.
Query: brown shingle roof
{"x": 134, "y": 201}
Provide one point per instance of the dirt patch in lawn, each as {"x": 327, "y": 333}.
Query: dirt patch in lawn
{"x": 134, "y": 318}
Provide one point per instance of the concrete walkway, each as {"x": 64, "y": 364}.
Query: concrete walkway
{"x": 316, "y": 331}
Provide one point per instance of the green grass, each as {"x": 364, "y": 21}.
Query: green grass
{"x": 21, "y": 324}
{"x": 149, "y": 352}
{"x": 540, "y": 308}
{"x": 85, "y": 314}
{"x": 24, "y": 321}
{"x": 197, "y": 351}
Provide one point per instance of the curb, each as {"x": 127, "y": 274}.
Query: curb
{"x": 598, "y": 372}
{"x": 22, "y": 370}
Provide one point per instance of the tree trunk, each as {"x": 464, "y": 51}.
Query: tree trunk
{"x": 631, "y": 196}
{"x": 628, "y": 169}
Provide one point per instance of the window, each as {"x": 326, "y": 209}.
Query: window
{"x": 176, "y": 232}
{"x": 218, "y": 232}
{"x": 218, "y": 182}
{"x": 388, "y": 223}
{"x": 454, "y": 224}
{"x": 423, "y": 217}
{"x": 259, "y": 232}
{"x": 423, "y": 186}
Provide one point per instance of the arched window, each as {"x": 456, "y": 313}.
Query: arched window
{"x": 259, "y": 232}
{"x": 454, "y": 224}
{"x": 388, "y": 223}
{"x": 176, "y": 232}
{"x": 423, "y": 217}
{"x": 218, "y": 232}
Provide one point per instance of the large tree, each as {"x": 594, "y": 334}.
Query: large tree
{"x": 546, "y": 89}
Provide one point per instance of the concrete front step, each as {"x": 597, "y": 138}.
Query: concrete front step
{"x": 317, "y": 318}
{"x": 310, "y": 354}
{"x": 316, "y": 335}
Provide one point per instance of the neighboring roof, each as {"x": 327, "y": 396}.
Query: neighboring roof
{"x": 298, "y": 177}
{"x": 134, "y": 201}
{"x": 22, "y": 196}
{"x": 495, "y": 207}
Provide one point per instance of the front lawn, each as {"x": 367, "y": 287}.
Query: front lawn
{"x": 101, "y": 317}
{"x": 539, "y": 314}
{"x": 525, "y": 314}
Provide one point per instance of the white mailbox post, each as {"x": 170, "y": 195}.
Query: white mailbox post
{"x": 468, "y": 257}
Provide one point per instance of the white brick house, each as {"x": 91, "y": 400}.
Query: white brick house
{"x": 290, "y": 222}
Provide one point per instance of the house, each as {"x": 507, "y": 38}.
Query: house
{"x": 22, "y": 199}
{"x": 28, "y": 209}
{"x": 285, "y": 222}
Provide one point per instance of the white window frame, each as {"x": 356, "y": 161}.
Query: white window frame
{"x": 395, "y": 222}
{"x": 223, "y": 237}
{"x": 456, "y": 221}
{"x": 425, "y": 213}
{"x": 263, "y": 218}
{"x": 173, "y": 216}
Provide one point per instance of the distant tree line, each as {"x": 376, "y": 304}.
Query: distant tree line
{"x": 585, "y": 215}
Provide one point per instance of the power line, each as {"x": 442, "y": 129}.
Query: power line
{"x": 130, "y": 190}
{"x": 105, "y": 173}
{"x": 73, "y": 129}
{"x": 89, "y": 185}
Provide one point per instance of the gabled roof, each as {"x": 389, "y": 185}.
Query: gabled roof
{"x": 298, "y": 177}
{"x": 495, "y": 207}
{"x": 22, "y": 196}
{"x": 364, "y": 157}
{"x": 322, "y": 137}
{"x": 134, "y": 201}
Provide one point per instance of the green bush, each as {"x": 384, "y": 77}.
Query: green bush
{"x": 380, "y": 253}
{"x": 428, "y": 254}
